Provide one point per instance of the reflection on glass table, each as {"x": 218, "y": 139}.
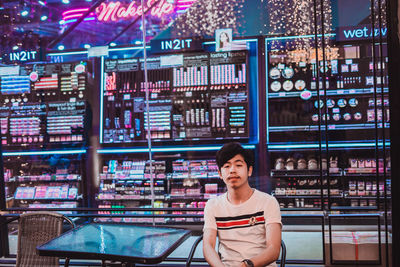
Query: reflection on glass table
{"x": 119, "y": 242}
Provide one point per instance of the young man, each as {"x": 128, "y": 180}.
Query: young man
{"x": 246, "y": 221}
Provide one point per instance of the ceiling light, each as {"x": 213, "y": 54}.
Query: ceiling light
{"x": 61, "y": 47}
{"x": 65, "y": 1}
{"x": 113, "y": 44}
{"x": 24, "y": 13}
{"x": 15, "y": 47}
{"x": 43, "y": 18}
{"x": 43, "y": 3}
{"x": 87, "y": 46}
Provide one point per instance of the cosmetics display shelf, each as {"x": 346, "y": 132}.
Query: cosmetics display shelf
{"x": 332, "y": 196}
{"x": 45, "y": 179}
{"x": 316, "y": 173}
{"x": 337, "y": 92}
{"x": 49, "y": 179}
{"x": 301, "y": 173}
{"x": 359, "y": 126}
{"x": 50, "y": 199}
{"x": 202, "y": 97}
{"x": 43, "y": 106}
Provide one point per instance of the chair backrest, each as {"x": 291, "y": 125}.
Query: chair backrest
{"x": 189, "y": 259}
{"x": 283, "y": 254}
{"x": 35, "y": 229}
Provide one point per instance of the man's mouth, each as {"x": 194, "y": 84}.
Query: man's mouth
{"x": 233, "y": 178}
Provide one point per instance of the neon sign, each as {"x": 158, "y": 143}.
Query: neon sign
{"x": 360, "y": 32}
{"x": 115, "y": 11}
{"x": 21, "y": 56}
{"x": 173, "y": 45}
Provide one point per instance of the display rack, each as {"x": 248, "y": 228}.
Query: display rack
{"x": 193, "y": 98}
{"x": 322, "y": 135}
{"x": 54, "y": 179}
{"x": 184, "y": 178}
{"x": 44, "y": 125}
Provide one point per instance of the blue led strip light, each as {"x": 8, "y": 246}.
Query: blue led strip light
{"x": 165, "y": 149}
{"x": 33, "y": 153}
{"x": 101, "y": 99}
{"x": 334, "y": 145}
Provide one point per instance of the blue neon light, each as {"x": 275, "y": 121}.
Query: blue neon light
{"x": 32, "y": 153}
{"x": 85, "y": 51}
{"x": 101, "y": 98}
{"x": 128, "y": 48}
{"x": 332, "y": 145}
{"x": 165, "y": 149}
{"x": 74, "y": 20}
{"x": 243, "y": 40}
{"x": 68, "y": 53}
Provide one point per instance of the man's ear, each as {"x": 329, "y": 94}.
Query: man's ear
{"x": 250, "y": 172}
{"x": 219, "y": 173}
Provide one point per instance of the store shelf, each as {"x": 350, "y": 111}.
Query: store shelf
{"x": 302, "y": 128}
{"x": 44, "y": 152}
{"x": 332, "y": 145}
{"x": 329, "y": 92}
{"x": 49, "y": 199}
{"x": 129, "y": 197}
{"x": 166, "y": 149}
{"x": 302, "y": 173}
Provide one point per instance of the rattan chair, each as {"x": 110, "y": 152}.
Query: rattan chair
{"x": 35, "y": 229}
{"x": 189, "y": 259}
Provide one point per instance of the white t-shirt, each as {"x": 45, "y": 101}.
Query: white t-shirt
{"x": 241, "y": 229}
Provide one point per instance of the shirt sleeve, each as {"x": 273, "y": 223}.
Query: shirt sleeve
{"x": 209, "y": 217}
{"x": 272, "y": 212}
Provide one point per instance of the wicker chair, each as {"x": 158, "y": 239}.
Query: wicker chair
{"x": 35, "y": 229}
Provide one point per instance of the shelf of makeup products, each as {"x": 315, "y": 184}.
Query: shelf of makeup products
{"x": 358, "y": 184}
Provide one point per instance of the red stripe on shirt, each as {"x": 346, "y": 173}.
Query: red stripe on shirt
{"x": 239, "y": 222}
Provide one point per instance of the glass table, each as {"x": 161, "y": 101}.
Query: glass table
{"x": 118, "y": 242}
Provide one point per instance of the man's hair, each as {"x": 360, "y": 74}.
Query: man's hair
{"x": 232, "y": 149}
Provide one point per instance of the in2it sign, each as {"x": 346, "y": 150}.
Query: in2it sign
{"x": 359, "y": 32}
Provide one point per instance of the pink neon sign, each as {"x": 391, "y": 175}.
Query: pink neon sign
{"x": 115, "y": 11}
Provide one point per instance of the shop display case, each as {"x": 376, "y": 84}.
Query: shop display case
{"x": 201, "y": 97}
{"x": 44, "y": 131}
{"x": 53, "y": 180}
{"x": 327, "y": 120}
{"x": 185, "y": 180}
{"x": 197, "y": 102}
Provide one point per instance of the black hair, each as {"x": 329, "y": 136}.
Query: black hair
{"x": 230, "y": 150}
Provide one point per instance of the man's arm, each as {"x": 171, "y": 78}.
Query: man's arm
{"x": 211, "y": 256}
{"x": 271, "y": 252}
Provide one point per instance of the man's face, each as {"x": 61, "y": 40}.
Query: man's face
{"x": 235, "y": 172}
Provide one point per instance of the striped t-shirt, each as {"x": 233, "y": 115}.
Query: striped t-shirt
{"x": 241, "y": 228}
